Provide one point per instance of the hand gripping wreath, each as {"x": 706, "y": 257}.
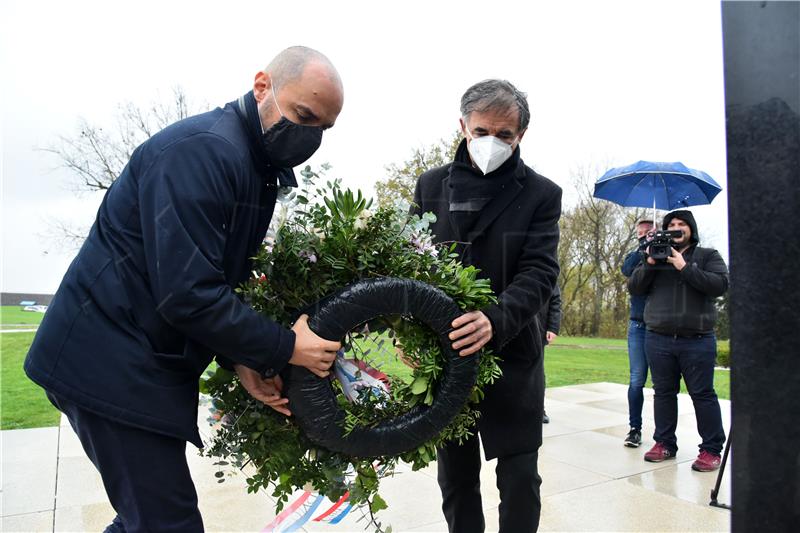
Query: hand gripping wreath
{"x": 313, "y": 399}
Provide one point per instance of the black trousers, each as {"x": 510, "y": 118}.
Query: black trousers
{"x": 517, "y": 480}
{"x": 145, "y": 474}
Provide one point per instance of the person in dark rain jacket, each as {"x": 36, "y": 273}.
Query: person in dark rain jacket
{"x": 149, "y": 300}
{"x": 679, "y": 342}
{"x": 504, "y": 218}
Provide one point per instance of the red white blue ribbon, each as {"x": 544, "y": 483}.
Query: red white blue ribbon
{"x": 300, "y": 511}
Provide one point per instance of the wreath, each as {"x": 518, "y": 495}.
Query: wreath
{"x": 324, "y": 240}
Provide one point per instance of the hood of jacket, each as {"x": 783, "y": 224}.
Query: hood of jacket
{"x": 686, "y": 216}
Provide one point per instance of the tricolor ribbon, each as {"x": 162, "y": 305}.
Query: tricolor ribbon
{"x": 306, "y": 514}
{"x": 283, "y": 515}
{"x": 333, "y": 507}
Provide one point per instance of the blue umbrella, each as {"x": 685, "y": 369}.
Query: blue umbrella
{"x": 661, "y": 185}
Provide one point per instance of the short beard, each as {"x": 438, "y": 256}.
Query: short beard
{"x": 263, "y": 112}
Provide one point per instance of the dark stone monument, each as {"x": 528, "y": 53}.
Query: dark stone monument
{"x": 762, "y": 92}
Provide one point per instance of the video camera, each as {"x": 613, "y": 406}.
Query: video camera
{"x": 661, "y": 243}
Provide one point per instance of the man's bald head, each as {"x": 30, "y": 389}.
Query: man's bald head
{"x": 305, "y": 86}
{"x": 289, "y": 65}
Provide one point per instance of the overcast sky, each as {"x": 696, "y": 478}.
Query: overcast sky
{"x": 608, "y": 83}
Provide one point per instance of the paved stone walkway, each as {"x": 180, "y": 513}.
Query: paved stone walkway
{"x": 591, "y": 482}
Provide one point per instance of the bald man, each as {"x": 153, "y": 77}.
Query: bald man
{"x": 149, "y": 300}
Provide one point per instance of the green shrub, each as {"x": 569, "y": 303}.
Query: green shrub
{"x": 724, "y": 356}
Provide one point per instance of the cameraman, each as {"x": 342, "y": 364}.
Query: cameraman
{"x": 636, "y": 333}
{"x": 680, "y": 317}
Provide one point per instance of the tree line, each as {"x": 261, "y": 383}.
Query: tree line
{"x": 596, "y": 235}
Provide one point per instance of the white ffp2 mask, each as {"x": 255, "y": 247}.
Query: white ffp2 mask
{"x": 488, "y": 152}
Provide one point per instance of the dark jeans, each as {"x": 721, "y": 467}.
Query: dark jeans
{"x": 517, "y": 480}
{"x": 638, "y": 368}
{"x": 145, "y": 474}
{"x": 693, "y": 358}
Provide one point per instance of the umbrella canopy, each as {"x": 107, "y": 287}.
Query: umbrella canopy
{"x": 660, "y": 185}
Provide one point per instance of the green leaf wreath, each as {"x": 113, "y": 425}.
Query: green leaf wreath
{"x": 327, "y": 238}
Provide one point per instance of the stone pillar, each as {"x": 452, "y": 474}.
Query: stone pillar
{"x": 762, "y": 93}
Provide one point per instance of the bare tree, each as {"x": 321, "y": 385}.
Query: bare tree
{"x": 96, "y": 156}
{"x": 596, "y": 236}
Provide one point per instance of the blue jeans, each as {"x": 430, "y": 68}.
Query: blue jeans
{"x": 638, "y": 366}
{"x": 693, "y": 358}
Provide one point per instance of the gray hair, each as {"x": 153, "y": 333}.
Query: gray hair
{"x": 498, "y": 95}
{"x": 289, "y": 65}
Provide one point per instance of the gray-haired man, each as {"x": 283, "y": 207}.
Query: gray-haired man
{"x": 504, "y": 218}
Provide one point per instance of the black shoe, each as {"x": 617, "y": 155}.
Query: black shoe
{"x": 545, "y": 418}
{"x": 634, "y": 438}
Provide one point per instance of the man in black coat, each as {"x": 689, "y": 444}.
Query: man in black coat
{"x": 550, "y": 322}
{"x": 149, "y": 300}
{"x": 504, "y": 218}
{"x": 679, "y": 342}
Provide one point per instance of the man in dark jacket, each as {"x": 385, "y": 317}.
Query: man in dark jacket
{"x": 636, "y": 336}
{"x": 149, "y": 300}
{"x": 550, "y": 321}
{"x": 680, "y": 342}
{"x": 503, "y": 217}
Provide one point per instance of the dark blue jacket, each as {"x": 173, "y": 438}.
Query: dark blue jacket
{"x": 149, "y": 300}
{"x": 638, "y": 301}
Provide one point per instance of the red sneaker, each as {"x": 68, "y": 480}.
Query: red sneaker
{"x": 658, "y": 453}
{"x": 706, "y": 462}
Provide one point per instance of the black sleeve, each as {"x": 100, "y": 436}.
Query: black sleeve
{"x": 554, "y": 311}
{"x": 536, "y": 275}
{"x": 642, "y": 278}
{"x": 711, "y": 277}
{"x": 186, "y": 199}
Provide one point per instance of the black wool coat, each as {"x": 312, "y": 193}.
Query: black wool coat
{"x": 514, "y": 243}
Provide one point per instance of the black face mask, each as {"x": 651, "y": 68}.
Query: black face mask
{"x": 288, "y": 144}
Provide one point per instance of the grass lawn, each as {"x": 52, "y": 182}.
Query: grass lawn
{"x": 591, "y": 341}
{"x": 569, "y": 361}
{"x": 572, "y": 360}
{"x": 14, "y": 315}
{"x": 23, "y": 403}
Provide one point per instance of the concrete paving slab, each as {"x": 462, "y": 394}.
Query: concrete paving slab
{"x": 582, "y": 460}
{"x": 27, "y": 523}
{"x": 580, "y": 417}
{"x": 90, "y": 517}
{"x": 558, "y": 477}
{"x": 575, "y": 394}
{"x": 622, "y": 506}
{"x": 621, "y": 431}
{"x": 228, "y": 507}
{"x": 79, "y": 483}
{"x": 491, "y": 518}
{"x": 68, "y": 443}
{"x": 434, "y": 527}
{"x": 29, "y": 470}
{"x": 680, "y": 481}
{"x": 614, "y": 389}
{"x": 558, "y": 425}
{"x": 602, "y": 454}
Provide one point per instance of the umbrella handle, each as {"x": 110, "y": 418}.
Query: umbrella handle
{"x": 654, "y": 212}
